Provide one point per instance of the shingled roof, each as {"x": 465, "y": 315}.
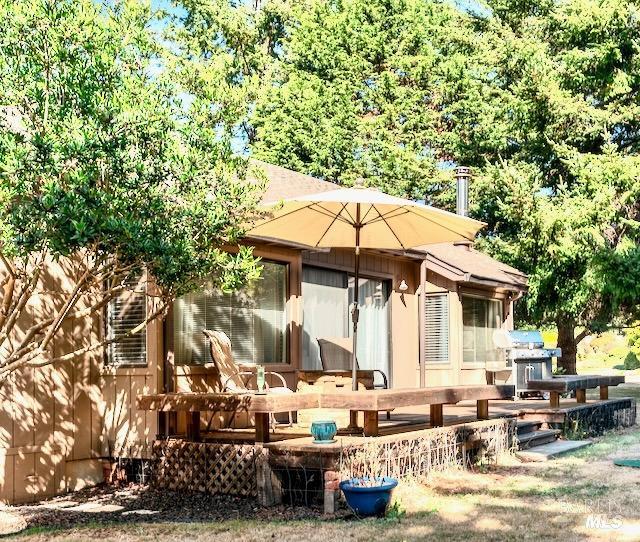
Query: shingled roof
{"x": 459, "y": 262}
{"x": 284, "y": 183}
{"x": 463, "y": 263}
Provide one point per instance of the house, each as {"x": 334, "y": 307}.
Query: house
{"x": 426, "y": 319}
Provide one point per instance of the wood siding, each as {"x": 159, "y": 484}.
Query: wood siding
{"x": 57, "y": 423}
{"x": 51, "y": 417}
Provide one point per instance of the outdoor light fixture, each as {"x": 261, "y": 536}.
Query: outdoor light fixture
{"x": 403, "y": 286}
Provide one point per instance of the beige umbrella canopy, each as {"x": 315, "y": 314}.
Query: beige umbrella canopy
{"x": 335, "y": 218}
{"x": 362, "y": 218}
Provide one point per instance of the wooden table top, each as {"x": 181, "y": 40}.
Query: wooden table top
{"x": 367, "y": 400}
{"x": 395, "y": 398}
{"x": 574, "y": 382}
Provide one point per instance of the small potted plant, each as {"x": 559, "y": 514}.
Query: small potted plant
{"x": 367, "y": 490}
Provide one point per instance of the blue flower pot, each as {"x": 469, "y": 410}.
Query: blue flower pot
{"x": 324, "y": 431}
{"x": 368, "y": 501}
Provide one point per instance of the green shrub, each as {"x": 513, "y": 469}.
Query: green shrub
{"x": 633, "y": 337}
{"x": 631, "y": 361}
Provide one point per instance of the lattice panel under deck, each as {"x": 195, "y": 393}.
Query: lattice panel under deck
{"x": 207, "y": 467}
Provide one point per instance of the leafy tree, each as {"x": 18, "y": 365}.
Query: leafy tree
{"x": 561, "y": 197}
{"x": 110, "y": 165}
{"x": 381, "y": 89}
{"x": 540, "y": 96}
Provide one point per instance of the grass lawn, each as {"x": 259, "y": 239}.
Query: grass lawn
{"x": 578, "y": 497}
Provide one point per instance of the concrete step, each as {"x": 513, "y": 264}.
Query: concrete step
{"x": 527, "y": 426}
{"x": 544, "y": 452}
{"x": 535, "y": 438}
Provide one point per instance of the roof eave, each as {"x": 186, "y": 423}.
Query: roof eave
{"x": 456, "y": 274}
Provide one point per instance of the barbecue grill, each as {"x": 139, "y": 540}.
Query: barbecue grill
{"x": 525, "y": 355}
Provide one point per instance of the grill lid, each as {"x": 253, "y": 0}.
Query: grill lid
{"x": 517, "y": 339}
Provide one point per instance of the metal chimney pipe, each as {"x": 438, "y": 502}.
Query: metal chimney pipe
{"x": 462, "y": 174}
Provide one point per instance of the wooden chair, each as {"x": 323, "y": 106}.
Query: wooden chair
{"x": 237, "y": 378}
{"x": 336, "y": 355}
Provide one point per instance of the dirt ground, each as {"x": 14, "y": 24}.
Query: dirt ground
{"x": 579, "y": 497}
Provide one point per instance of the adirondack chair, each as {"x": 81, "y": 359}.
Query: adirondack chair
{"x": 336, "y": 355}
{"x": 237, "y": 378}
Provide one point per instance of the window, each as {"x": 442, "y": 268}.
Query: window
{"x": 480, "y": 316}
{"x": 328, "y": 296}
{"x": 436, "y": 328}
{"x": 253, "y": 318}
{"x": 124, "y": 313}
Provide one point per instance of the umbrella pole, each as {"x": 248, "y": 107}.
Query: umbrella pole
{"x": 353, "y": 415}
{"x": 355, "y": 313}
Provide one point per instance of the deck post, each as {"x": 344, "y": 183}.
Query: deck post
{"x": 436, "y": 418}
{"x": 482, "y": 409}
{"x": 554, "y": 399}
{"x": 267, "y": 483}
{"x": 581, "y": 395}
{"x": 370, "y": 423}
{"x": 262, "y": 426}
{"x": 604, "y": 393}
{"x": 193, "y": 426}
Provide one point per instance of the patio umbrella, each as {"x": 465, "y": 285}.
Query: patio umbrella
{"x": 362, "y": 218}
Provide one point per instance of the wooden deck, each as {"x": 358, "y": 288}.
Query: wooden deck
{"x": 262, "y": 406}
{"x": 413, "y": 409}
{"x": 232, "y": 460}
{"x": 417, "y": 418}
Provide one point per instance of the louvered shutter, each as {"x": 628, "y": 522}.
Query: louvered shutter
{"x": 124, "y": 313}
{"x": 436, "y": 328}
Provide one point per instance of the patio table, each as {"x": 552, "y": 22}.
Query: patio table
{"x": 578, "y": 383}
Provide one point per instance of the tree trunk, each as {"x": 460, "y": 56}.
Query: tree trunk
{"x": 568, "y": 344}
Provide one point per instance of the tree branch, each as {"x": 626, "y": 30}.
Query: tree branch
{"x": 30, "y": 357}
{"x": 106, "y": 342}
{"x": 582, "y": 335}
{"x": 27, "y": 344}
{"x": 25, "y": 295}
{"x": 7, "y": 298}
{"x": 62, "y": 313}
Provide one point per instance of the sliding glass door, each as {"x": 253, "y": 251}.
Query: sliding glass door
{"x": 327, "y": 296}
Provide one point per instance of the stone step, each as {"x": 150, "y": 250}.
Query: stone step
{"x": 535, "y": 438}
{"x": 544, "y": 452}
{"x": 527, "y": 426}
